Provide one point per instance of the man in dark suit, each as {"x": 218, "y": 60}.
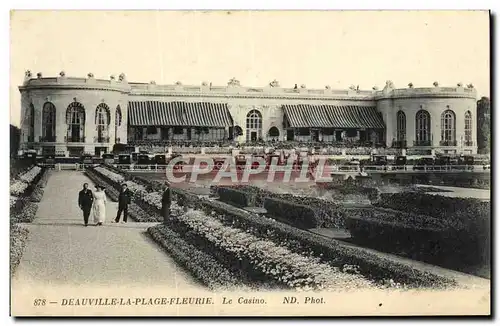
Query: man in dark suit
{"x": 85, "y": 200}
{"x": 166, "y": 202}
{"x": 124, "y": 199}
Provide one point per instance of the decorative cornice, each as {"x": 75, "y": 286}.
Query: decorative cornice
{"x": 78, "y": 87}
{"x": 252, "y": 95}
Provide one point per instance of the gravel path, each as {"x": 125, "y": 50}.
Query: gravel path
{"x": 61, "y": 251}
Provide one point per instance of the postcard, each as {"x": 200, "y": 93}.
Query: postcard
{"x": 250, "y": 163}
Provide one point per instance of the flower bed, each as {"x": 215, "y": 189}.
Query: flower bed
{"x": 262, "y": 258}
{"x": 29, "y": 176}
{"x": 372, "y": 266}
{"x": 332, "y": 252}
{"x": 200, "y": 264}
{"x": 26, "y": 215}
{"x": 18, "y": 239}
{"x": 18, "y": 187}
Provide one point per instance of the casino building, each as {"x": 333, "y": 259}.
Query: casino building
{"x": 71, "y": 115}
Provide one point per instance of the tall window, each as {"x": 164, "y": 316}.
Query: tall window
{"x": 118, "y": 122}
{"x": 401, "y": 126}
{"x": 31, "y": 123}
{"x": 423, "y": 128}
{"x": 448, "y": 132}
{"x": 75, "y": 119}
{"x": 254, "y": 126}
{"x": 468, "y": 128}
{"x": 102, "y": 120}
{"x": 49, "y": 122}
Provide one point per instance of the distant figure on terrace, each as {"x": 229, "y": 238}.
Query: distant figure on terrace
{"x": 85, "y": 199}
{"x": 166, "y": 202}
{"x": 99, "y": 205}
{"x": 124, "y": 200}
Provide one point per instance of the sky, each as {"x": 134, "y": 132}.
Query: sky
{"x": 315, "y": 48}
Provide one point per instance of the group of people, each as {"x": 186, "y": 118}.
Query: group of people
{"x": 95, "y": 203}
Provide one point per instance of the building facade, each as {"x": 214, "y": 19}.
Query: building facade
{"x": 74, "y": 115}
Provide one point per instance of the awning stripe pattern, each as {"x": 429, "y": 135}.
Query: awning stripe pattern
{"x": 189, "y": 114}
{"x": 330, "y": 116}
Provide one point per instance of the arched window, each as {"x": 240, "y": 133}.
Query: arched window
{"x": 423, "y": 128}
{"x": 448, "y": 130}
{"x": 468, "y": 128}
{"x": 49, "y": 122}
{"x": 273, "y": 132}
{"x": 118, "y": 122}
{"x": 254, "y": 126}
{"x": 401, "y": 126}
{"x": 102, "y": 121}
{"x": 75, "y": 119}
{"x": 238, "y": 131}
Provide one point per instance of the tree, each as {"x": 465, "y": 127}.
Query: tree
{"x": 483, "y": 125}
{"x": 15, "y": 139}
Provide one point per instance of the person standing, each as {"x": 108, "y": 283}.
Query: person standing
{"x": 99, "y": 205}
{"x": 166, "y": 202}
{"x": 124, "y": 200}
{"x": 85, "y": 200}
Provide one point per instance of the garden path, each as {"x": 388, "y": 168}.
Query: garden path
{"x": 62, "y": 251}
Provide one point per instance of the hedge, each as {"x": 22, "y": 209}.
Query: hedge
{"x": 469, "y": 218}
{"x": 300, "y": 216}
{"x": 324, "y": 214}
{"x": 234, "y": 196}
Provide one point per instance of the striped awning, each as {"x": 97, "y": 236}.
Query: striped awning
{"x": 330, "y": 116}
{"x": 305, "y": 116}
{"x": 192, "y": 114}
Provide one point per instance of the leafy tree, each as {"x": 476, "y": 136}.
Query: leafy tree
{"x": 483, "y": 125}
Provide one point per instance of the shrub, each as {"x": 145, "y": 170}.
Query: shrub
{"x": 18, "y": 239}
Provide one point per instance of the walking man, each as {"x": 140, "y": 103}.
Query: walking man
{"x": 85, "y": 201}
{"x": 166, "y": 202}
{"x": 124, "y": 200}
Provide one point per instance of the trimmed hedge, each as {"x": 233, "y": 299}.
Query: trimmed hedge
{"x": 18, "y": 239}
{"x": 468, "y": 220}
{"x": 321, "y": 213}
{"x": 300, "y": 216}
{"x": 235, "y": 197}
{"x": 200, "y": 264}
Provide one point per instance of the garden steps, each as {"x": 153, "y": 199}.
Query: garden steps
{"x": 462, "y": 278}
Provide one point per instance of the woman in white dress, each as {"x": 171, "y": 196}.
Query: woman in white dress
{"x": 99, "y": 206}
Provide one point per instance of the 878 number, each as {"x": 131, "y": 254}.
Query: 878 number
{"x": 39, "y": 302}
